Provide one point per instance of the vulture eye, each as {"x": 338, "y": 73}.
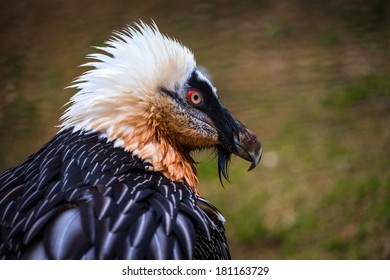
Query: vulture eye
{"x": 195, "y": 97}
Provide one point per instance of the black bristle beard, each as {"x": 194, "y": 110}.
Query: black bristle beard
{"x": 223, "y": 163}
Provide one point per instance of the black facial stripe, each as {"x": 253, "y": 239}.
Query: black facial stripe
{"x": 210, "y": 101}
{"x": 221, "y": 117}
{"x": 203, "y": 86}
{"x": 212, "y": 107}
{"x": 169, "y": 93}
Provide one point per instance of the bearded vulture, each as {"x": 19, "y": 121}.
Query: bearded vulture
{"x": 118, "y": 180}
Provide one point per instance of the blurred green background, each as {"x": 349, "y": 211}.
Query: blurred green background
{"x": 311, "y": 78}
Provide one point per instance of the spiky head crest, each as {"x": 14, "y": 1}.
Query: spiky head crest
{"x": 134, "y": 64}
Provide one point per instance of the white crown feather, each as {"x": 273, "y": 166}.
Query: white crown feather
{"x": 135, "y": 63}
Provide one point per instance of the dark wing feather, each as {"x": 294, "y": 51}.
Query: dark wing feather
{"x": 79, "y": 197}
{"x": 63, "y": 232}
{"x": 37, "y": 225}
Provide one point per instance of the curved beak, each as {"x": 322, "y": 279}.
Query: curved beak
{"x": 247, "y": 145}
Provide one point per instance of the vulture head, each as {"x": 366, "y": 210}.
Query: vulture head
{"x": 145, "y": 93}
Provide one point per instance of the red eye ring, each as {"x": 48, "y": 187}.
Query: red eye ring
{"x": 195, "y": 97}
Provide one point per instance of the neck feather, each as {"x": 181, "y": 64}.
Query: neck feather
{"x": 154, "y": 147}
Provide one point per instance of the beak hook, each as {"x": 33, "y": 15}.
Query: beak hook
{"x": 247, "y": 146}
